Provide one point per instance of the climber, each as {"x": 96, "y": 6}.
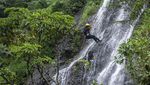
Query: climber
{"x": 90, "y": 56}
{"x": 87, "y": 33}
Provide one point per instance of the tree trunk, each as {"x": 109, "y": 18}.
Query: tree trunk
{"x": 51, "y": 79}
{"x": 42, "y": 74}
{"x": 28, "y": 69}
{"x": 57, "y": 70}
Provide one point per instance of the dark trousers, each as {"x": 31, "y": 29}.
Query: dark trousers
{"x": 92, "y": 37}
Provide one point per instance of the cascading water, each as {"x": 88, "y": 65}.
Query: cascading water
{"x": 109, "y": 27}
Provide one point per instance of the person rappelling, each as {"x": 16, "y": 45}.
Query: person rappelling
{"x": 90, "y": 56}
{"x": 87, "y": 34}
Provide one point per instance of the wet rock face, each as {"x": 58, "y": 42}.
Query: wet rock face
{"x": 66, "y": 50}
{"x": 77, "y": 74}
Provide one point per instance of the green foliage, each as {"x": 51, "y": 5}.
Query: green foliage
{"x": 7, "y": 76}
{"x": 95, "y": 83}
{"x": 39, "y": 26}
{"x": 25, "y": 3}
{"x": 71, "y": 7}
{"x": 5, "y": 55}
{"x": 13, "y": 3}
{"x": 86, "y": 63}
{"x": 77, "y": 40}
{"x": 25, "y": 48}
{"x": 119, "y": 59}
{"x": 136, "y": 7}
{"x": 24, "y": 55}
{"x": 9, "y": 26}
{"x": 43, "y": 60}
{"x": 37, "y": 4}
{"x": 89, "y": 9}
{"x": 28, "y": 39}
{"x": 30, "y": 4}
{"x": 137, "y": 52}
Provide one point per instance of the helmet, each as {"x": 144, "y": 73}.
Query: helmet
{"x": 87, "y": 25}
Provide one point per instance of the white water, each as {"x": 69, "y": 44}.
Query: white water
{"x": 64, "y": 73}
{"x": 117, "y": 77}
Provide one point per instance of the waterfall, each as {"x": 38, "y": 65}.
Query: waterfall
{"x": 113, "y": 28}
{"x": 118, "y": 75}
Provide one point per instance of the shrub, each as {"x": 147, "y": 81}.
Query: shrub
{"x": 137, "y": 52}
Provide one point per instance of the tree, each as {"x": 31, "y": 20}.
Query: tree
{"x": 30, "y": 4}
{"x": 71, "y": 7}
{"x": 32, "y": 37}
